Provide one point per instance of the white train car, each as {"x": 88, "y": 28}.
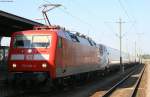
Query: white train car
{"x": 113, "y": 56}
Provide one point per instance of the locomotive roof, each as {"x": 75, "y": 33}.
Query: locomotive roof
{"x": 77, "y": 37}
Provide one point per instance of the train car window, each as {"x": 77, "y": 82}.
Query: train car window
{"x": 105, "y": 49}
{"x": 22, "y": 41}
{"x": 59, "y": 42}
{"x": 101, "y": 49}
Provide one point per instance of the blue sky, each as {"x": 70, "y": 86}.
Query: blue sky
{"x": 95, "y": 18}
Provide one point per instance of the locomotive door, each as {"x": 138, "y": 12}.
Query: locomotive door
{"x": 60, "y": 57}
{"x": 64, "y": 56}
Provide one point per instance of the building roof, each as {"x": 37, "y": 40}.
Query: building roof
{"x": 10, "y": 23}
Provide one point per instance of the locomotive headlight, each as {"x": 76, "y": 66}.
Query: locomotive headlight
{"x": 44, "y": 65}
{"x": 14, "y": 65}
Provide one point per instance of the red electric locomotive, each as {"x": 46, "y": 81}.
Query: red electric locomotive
{"x": 54, "y": 53}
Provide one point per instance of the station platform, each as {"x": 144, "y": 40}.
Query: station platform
{"x": 144, "y": 86}
{"x": 146, "y": 81}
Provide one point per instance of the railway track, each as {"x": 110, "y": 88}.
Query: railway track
{"x": 117, "y": 91}
{"x": 79, "y": 91}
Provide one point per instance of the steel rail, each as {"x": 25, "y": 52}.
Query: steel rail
{"x": 137, "y": 83}
{"x": 112, "y": 89}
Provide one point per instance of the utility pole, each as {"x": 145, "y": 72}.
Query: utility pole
{"x": 135, "y": 52}
{"x": 139, "y": 47}
{"x": 120, "y": 39}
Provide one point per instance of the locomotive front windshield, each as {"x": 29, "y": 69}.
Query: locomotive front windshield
{"x": 34, "y": 41}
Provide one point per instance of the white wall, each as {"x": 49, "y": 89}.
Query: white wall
{"x": 5, "y": 41}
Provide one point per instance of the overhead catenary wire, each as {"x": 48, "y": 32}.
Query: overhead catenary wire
{"x": 75, "y": 17}
{"x": 130, "y": 17}
{"x": 109, "y": 27}
{"x": 86, "y": 10}
{"x": 89, "y": 11}
{"x": 90, "y": 26}
{"x": 133, "y": 25}
{"x": 65, "y": 10}
{"x": 124, "y": 9}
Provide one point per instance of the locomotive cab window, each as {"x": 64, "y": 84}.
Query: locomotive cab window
{"x": 22, "y": 41}
{"x": 41, "y": 41}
